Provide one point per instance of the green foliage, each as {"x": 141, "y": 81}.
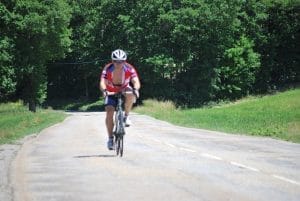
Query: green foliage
{"x": 162, "y": 65}
{"x": 190, "y": 51}
{"x": 199, "y": 33}
{"x": 177, "y": 46}
{"x": 237, "y": 77}
{"x": 7, "y": 72}
{"x": 41, "y": 34}
{"x": 280, "y": 52}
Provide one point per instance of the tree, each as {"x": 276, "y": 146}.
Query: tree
{"x": 199, "y": 34}
{"x": 7, "y": 71}
{"x": 190, "y": 51}
{"x": 41, "y": 35}
{"x": 280, "y": 53}
{"x": 237, "y": 76}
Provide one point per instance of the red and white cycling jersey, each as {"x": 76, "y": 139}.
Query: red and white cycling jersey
{"x": 129, "y": 72}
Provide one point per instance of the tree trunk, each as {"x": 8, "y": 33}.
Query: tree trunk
{"x": 32, "y": 106}
{"x": 86, "y": 87}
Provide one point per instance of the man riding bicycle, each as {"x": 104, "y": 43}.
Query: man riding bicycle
{"x": 116, "y": 77}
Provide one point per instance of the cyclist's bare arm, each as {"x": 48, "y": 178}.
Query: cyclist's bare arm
{"x": 102, "y": 84}
{"x": 136, "y": 83}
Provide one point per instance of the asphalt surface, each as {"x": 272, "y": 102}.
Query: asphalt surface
{"x": 70, "y": 161}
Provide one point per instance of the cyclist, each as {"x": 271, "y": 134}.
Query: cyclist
{"x": 118, "y": 76}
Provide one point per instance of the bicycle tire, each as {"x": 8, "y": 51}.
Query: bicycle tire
{"x": 121, "y": 141}
{"x": 121, "y": 134}
{"x": 121, "y": 123}
{"x": 119, "y": 131}
{"x": 117, "y": 144}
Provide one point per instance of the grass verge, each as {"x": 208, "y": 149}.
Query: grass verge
{"x": 16, "y": 121}
{"x": 277, "y": 116}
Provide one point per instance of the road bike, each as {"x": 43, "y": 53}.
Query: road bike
{"x": 119, "y": 127}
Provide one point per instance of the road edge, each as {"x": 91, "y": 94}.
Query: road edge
{"x": 8, "y": 153}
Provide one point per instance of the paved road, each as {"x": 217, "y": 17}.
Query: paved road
{"x": 69, "y": 161}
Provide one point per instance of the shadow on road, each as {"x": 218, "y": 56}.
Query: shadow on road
{"x": 100, "y": 155}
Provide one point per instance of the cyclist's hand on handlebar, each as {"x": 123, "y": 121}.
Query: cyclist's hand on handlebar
{"x": 136, "y": 93}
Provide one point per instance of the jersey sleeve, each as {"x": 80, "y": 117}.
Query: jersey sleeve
{"x": 133, "y": 72}
{"x": 104, "y": 74}
{"x": 104, "y": 71}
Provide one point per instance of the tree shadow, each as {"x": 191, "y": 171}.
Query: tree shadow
{"x": 80, "y": 105}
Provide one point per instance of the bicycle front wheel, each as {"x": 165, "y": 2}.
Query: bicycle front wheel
{"x": 119, "y": 145}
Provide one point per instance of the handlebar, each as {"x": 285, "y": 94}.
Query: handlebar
{"x": 109, "y": 93}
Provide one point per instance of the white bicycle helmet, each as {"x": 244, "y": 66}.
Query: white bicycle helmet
{"x": 118, "y": 55}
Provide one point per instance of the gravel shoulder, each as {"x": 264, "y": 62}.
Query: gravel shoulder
{"x": 8, "y": 153}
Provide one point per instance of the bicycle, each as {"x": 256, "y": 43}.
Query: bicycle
{"x": 119, "y": 128}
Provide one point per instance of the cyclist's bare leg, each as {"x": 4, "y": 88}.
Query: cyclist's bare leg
{"x": 109, "y": 119}
{"x": 129, "y": 100}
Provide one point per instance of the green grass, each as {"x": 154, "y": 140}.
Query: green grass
{"x": 16, "y": 121}
{"x": 277, "y": 116}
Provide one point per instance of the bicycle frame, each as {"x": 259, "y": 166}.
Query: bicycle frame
{"x": 119, "y": 116}
{"x": 119, "y": 129}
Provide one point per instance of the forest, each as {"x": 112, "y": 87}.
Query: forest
{"x": 189, "y": 51}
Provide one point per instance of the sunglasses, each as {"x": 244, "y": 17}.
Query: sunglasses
{"x": 118, "y": 61}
